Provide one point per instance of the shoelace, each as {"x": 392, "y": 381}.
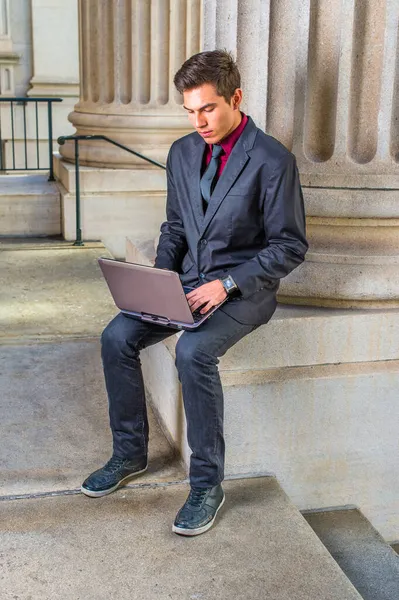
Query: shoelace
{"x": 196, "y": 496}
{"x": 114, "y": 464}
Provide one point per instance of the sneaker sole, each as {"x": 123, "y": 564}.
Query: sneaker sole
{"x": 192, "y": 532}
{"x": 93, "y": 494}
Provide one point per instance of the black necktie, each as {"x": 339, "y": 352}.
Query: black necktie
{"x": 208, "y": 180}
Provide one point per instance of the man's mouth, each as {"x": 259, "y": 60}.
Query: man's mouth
{"x": 206, "y": 133}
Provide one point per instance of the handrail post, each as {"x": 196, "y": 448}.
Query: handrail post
{"x": 50, "y": 138}
{"x": 78, "y": 241}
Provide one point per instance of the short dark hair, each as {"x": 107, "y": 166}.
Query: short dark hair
{"x": 217, "y": 67}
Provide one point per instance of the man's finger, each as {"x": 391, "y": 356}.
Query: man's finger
{"x": 198, "y": 290}
{"x": 197, "y": 300}
{"x": 197, "y": 304}
{"x": 207, "y": 307}
{"x": 194, "y": 295}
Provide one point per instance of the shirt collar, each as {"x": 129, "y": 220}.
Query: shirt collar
{"x": 229, "y": 141}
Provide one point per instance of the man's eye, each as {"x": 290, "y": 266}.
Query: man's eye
{"x": 209, "y": 109}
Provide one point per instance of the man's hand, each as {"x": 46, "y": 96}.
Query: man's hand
{"x": 210, "y": 294}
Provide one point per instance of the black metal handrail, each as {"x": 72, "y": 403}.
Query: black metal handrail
{"x": 76, "y": 139}
{"x": 23, "y": 101}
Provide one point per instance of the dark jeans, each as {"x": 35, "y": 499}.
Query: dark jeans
{"x": 197, "y": 355}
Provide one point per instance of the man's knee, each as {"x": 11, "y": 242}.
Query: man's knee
{"x": 189, "y": 354}
{"x": 115, "y": 338}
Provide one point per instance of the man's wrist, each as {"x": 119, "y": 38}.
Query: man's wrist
{"x": 229, "y": 285}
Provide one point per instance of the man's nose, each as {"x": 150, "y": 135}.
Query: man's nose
{"x": 200, "y": 121}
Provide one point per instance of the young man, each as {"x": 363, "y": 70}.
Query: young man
{"x": 235, "y": 226}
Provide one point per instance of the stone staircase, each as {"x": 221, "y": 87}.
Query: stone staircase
{"x": 30, "y": 205}
{"x": 361, "y": 552}
{"x": 59, "y": 544}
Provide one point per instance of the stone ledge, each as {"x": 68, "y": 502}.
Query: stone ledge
{"x": 283, "y": 374}
{"x": 317, "y": 336}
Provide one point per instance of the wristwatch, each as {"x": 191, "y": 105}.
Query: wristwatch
{"x": 229, "y": 284}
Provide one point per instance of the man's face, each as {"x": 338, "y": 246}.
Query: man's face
{"x": 210, "y": 114}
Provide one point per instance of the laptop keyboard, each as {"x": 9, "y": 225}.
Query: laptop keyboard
{"x": 197, "y": 316}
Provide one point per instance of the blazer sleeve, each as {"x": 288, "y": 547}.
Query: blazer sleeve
{"x": 172, "y": 245}
{"x": 285, "y": 230}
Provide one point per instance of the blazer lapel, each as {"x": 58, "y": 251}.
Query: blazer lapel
{"x": 195, "y": 176}
{"x": 236, "y": 162}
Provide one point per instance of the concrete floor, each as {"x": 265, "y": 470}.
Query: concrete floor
{"x": 54, "y": 419}
{"x": 53, "y": 415}
{"x": 54, "y": 292}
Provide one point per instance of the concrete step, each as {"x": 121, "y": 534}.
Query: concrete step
{"x": 360, "y": 551}
{"x": 29, "y": 205}
{"x": 310, "y": 397}
{"x": 122, "y": 546}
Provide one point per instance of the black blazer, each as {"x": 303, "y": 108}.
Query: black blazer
{"x": 254, "y": 226}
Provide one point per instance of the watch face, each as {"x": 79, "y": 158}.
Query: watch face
{"x": 228, "y": 283}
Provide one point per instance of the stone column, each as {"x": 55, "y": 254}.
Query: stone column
{"x": 129, "y": 52}
{"x": 322, "y": 76}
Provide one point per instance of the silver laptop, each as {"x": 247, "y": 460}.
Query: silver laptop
{"x": 151, "y": 295}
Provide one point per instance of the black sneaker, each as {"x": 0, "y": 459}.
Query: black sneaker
{"x": 198, "y": 513}
{"x": 114, "y": 474}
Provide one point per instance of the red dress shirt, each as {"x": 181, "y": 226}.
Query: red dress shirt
{"x": 227, "y": 144}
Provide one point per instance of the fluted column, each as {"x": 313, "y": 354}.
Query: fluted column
{"x": 129, "y": 52}
{"x": 322, "y": 76}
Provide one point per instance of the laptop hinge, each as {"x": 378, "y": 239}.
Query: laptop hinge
{"x": 154, "y": 318}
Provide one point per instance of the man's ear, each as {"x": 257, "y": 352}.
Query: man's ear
{"x": 237, "y": 99}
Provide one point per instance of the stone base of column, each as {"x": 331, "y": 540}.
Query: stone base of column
{"x": 150, "y": 134}
{"x": 353, "y": 259}
{"x": 320, "y": 282}
{"x": 115, "y": 203}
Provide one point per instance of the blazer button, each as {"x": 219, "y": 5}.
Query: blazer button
{"x": 202, "y": 275}
{"x": 204, "y": 242}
